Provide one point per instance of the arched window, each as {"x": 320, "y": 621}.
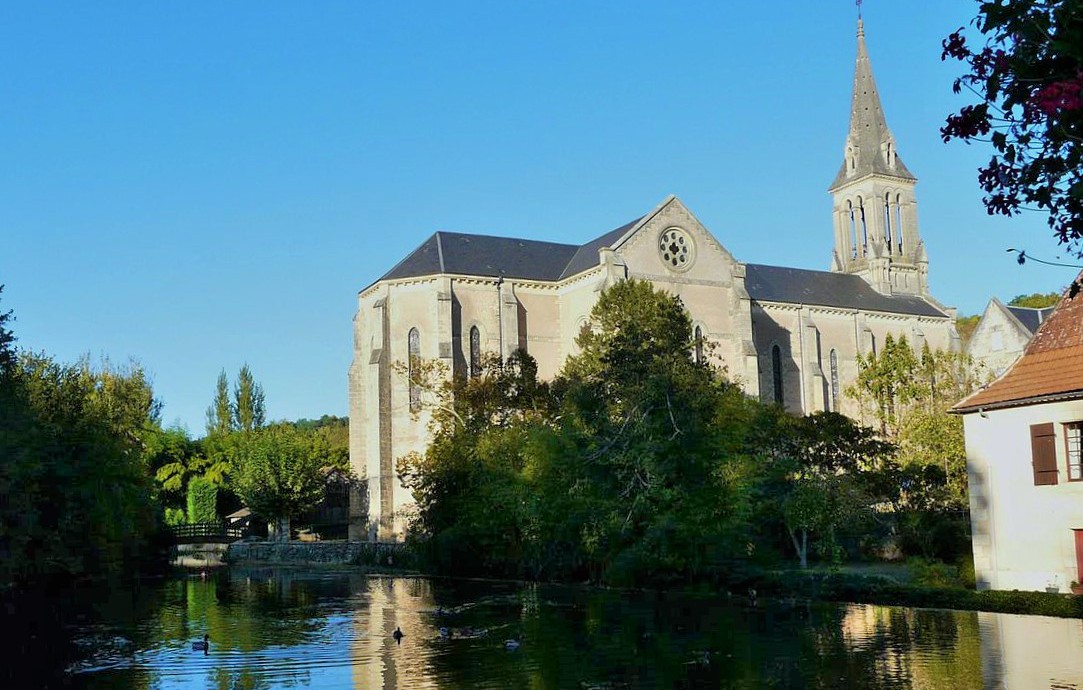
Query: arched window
{"x": 834, "y": 360}
{"x": 898, "y": 222}
{"x": 887, "y": 223}
{"x": 699, "y": 345}
{"x": 864, "y": 227}
{"x": 475, "y": 352}
{"x": 853, "y": 230}
{"x": 414, "y": 359}
{"x": 776, "y": 372}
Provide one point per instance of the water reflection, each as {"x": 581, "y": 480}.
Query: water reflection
{"x": 274, "y": 628}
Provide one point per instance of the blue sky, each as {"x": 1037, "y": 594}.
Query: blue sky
{"x": 203, "y": 185}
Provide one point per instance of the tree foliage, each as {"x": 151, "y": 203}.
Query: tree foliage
{"x": 1028, "y": 82}
{"x": 244, "y": 412}
{"x": 334, "y": 433}
{"x": 1036, "y": 300}
{"x": 828, "y": 474}
{"x": 77, "y": 497}
{"x": 202, "y": 501}
{"x": 908, "y": 395}
{"x": 220, "y": 413}
{"x": 248, "y": 402}
{"x": 7, "y": 340}
{"x": 277, "y": 472}
{"x": 639, "y": 465}
{"x": 628, "y": 468}
{"x": 965, "y": 327}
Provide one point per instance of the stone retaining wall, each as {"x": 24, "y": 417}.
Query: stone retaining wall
{"x": 198, "y": 555}
{"x": 325, "y": 552}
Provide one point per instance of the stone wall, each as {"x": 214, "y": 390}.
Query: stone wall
{"x": 322, "y": 552}
{"x": 198, "y": 555}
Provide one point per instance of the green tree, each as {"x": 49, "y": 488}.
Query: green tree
{"x": 7, "y": 340}
{"x": 1028, "y": 81}
{"x": 661, "y": 436}
{"x": 908, "y": 396}
{"x": 220, "y": 414}
{"x": 829, "y": 474}
{"x": 1036, "y": 300}
{"x": 630, "y": 468}
{"x": 78, "y": 498}
{"x": 965, "y": 326}
{"x": 278, "y": 475}
{"x": 248, "y": 402}
{"x": 467, "y": 484}
{"x": 202, "y": 501}
{"x": 334, "y": 432}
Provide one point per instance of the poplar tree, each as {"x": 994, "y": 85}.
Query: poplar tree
{"x": 248, "y": 402}
{"x": 220, "y": 413}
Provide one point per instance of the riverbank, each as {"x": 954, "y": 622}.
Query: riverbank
{"x": 879, "y": 589}
{"x": 870, "y": 587}
{"x": 370, "y": 555}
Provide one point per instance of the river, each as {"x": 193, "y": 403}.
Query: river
{"x": 292, "y": 628}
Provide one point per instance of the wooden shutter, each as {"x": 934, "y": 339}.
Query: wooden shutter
{"x": 1043, "y": 445}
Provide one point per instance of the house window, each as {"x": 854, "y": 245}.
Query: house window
{"x": 413, "y": 361}
{"x": 1043, "y": 447}
{"x": 475, "y": 352}
{"x": 834, "y": 360}
{"x": 776, "y": 372}
{"x": 699, "y": 345}
{"x": 1072, "y": 436}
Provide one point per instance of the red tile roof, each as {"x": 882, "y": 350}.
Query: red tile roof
{"x": 1051, "y": 366}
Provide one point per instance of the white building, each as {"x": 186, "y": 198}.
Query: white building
{"x": 1025, "y": 462}
{"x": 1002, "y": 334}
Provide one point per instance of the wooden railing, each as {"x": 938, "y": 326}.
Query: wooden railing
{"x": 206, "y": 532}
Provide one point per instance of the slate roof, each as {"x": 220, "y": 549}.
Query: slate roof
{"x": 587, "y": 256}
{"x": 868, "y": 125}
{"x": 1030, "y": 317}
{"x": 824, "y": 288}
{"x": 1051, "y": 367}
{"x": 483, "y": 255}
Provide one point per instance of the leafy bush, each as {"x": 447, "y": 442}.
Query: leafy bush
{"x": 873, "y": 589}
{"x": 202, "y": 501}
{"x": 934, "y": 574}
{"x": 175, "y": 516}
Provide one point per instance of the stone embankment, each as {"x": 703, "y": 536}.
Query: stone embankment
{"x": 198, "y": 555}
{"x": 375, "y": 554}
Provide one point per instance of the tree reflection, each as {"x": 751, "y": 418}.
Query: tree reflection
{"x": 289, "y": 628}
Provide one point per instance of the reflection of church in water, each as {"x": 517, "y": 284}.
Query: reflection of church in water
{"x": 787, "y": 335}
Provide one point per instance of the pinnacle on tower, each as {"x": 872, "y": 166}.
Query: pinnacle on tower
{"x": 870, "y": 145}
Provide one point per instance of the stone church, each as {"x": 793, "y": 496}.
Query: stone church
{"x": 789, "y": 336}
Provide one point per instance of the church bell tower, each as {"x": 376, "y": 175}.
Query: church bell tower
{"x": 875, "y": 211}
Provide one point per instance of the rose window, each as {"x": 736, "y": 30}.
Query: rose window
{"x": 676, "y": 249}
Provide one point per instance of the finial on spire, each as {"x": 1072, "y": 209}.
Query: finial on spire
{"x": 859, "y": 10}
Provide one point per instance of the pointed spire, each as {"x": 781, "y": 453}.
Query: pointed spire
{"x": 870, "y": 146}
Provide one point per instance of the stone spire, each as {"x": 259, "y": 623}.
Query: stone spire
{"x": 870, "y": 145}
{"x": 876, "y": 222}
